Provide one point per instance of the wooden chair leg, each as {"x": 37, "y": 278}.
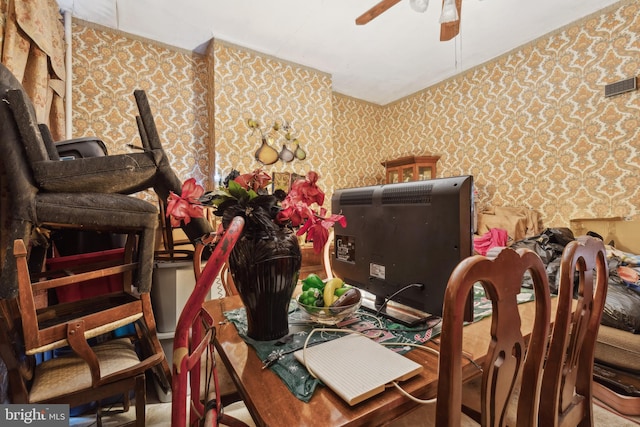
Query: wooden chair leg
{"x": 147, "y": 311}
{"x": 141, "y": 400}
{"x": 126, "y": 402}
{"x": 98, "y": 414}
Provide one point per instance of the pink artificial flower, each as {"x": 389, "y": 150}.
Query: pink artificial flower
{"x": 185, "y": 206}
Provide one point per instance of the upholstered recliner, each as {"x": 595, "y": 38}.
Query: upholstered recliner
{"x": 86, "y": 193}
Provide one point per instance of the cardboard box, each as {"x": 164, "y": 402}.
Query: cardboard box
{"x": 623, "y": 232}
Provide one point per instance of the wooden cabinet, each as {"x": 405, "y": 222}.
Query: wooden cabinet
{"x": 311, "y": 261}
{"x": 411, "y": 168}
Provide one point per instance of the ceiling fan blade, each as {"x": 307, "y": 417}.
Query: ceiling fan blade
{"x": 375, "y": 11}
{"x": 449, "y": 30}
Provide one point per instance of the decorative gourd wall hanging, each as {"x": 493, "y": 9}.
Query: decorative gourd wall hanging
{"x": 266, "y": 153}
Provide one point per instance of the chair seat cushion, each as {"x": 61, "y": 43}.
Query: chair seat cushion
{"x": 98, "y": 209}
{"x": 618, "y": 348}
{"x": 120, "y": 173}
{"x": 69, "y": 373}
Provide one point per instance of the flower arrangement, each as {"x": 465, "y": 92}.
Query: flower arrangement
{"x": 246, "y": 195}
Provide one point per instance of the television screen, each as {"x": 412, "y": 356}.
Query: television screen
{"x": 402, "y": 241}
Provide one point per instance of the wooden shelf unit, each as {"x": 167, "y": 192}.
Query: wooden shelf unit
{"x": 411, "y": 168}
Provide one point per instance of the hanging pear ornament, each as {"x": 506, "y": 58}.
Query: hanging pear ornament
{"x": 286, "y": 155}
{"x": 266, "y": 154}
{"x": 299, "y": 152}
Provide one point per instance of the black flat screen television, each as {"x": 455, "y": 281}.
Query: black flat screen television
{"x": 409, "y": 233}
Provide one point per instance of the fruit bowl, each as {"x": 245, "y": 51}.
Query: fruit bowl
{"x": 329, "y": 315}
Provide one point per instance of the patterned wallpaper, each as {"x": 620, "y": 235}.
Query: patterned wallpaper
{"x": 108, "y": 66}
{"x": 357, "y": 137}
{"x": 248, "y": 85}
{"x": 533, "y": 126}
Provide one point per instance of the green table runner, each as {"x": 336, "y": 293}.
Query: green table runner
{"x": 295, "y": 375}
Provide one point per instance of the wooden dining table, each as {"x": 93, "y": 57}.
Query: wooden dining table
{"x": 270, "y": 402}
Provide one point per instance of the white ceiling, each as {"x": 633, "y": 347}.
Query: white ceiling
{"x": 395, "y": 55}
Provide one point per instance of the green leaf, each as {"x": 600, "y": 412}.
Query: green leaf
{"x": 252, "y": 194}
{"x": 219, "y": 199}
{"x": 236, "y": 190}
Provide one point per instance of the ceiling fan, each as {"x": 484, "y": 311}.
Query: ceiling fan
{"x": 448, "y": 30}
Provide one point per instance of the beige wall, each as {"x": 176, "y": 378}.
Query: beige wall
{"x": 533, "y": 126}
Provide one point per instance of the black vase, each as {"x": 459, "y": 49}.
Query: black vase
{"x": 265, "y": 271}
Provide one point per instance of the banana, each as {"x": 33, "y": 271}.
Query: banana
{"x": 329, "y": 289}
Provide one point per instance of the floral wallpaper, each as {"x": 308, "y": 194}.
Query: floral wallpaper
{"x": 358, "y": 138}
{"x": 532, "y": 126}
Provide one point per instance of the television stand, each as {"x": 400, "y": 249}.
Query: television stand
{"x": 395, "y": 312}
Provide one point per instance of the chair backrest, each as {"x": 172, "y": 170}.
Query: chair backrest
{"x": 326, "y": 256}
{"x": 567, "y": 382}
{"x": 193, "y": 334}
{"x": 14, "y": 155}
{"x": 20, "y": 183}
{"x": 509, "y": 358}
{"x": 173, "y": 250}
{"x": 202, "y": 250}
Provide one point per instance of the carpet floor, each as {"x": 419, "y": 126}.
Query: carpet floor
{"x": 158, "y": 414}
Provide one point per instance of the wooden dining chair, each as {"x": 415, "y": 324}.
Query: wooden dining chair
{"x": 81, "y": 372}
{"x": 194, "y": 338}
{"x": 511, "y": 357}
{"x": 327, "y": 264}
{"x": 568, "y": 373}
{"x": 225, "y": 387}
{"x": 173, "y": 249}
{"x": 201, "y": 248}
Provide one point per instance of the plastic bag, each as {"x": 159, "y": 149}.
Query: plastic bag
{"x": 549, "y": 246}
{"x": 622, "y": 306}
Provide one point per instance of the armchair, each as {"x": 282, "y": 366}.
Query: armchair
{"x": 85, "y": 193}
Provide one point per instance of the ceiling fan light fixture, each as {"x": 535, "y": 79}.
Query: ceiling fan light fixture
{"x": 419, "y": 5}
{"x": 449, "y": 12}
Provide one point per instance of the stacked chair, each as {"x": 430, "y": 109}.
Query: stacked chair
{"x": 93, "y": 194}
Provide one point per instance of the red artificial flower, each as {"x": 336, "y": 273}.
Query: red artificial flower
{"x": 318, "y": 235}
{"x": 306, "y": 190}
{"x": 256, "y": 180}
{"x": 185, "y": 206}
{"x": 295, "y": 210}
{"x": 317, "y": 228}
{"x": 289, "y": 214}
